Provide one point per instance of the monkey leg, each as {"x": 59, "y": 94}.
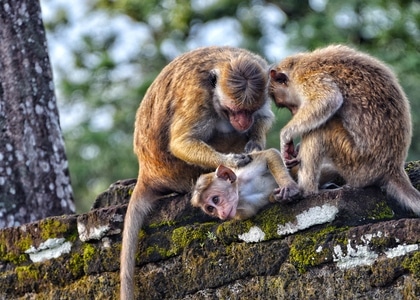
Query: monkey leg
{"x": 355, "y": 163}
{"x": 311, "y": 155}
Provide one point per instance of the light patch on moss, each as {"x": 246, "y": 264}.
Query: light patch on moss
{"x": 269, "y": 220}
{"x": 254, "y": 235}
{"x": 51, "y": 248}
{"x": 313, "y": 216}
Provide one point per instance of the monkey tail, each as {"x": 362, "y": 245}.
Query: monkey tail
{"x": 399, "y": 187}
{"x": 137, "y": 209}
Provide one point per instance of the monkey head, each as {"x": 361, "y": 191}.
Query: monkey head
{"x": 282, "y": 92}
{"x": 217, "y": 193}
{"x": 239, "y": 91}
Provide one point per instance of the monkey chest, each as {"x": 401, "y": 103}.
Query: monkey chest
{"x": 256, "y": 186}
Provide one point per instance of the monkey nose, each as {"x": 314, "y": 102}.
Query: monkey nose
{"x": 241, "y": 121}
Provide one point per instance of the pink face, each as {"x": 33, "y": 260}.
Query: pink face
{"x": 241, "y": 120}
{"x": 221, "y": 200}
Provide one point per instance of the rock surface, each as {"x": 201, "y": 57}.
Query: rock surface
{"x": 341, "y": 244}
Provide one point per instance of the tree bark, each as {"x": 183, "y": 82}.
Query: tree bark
{"x": 34, "y": 177}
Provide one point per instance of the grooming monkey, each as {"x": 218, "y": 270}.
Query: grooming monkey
{"x": 206, "y": 108}
{"x": 238, "y": 193}
{"x": 350, "y": 111}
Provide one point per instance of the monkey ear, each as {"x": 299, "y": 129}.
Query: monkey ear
{"x": 225, "y": 173}
{"x": 278, "y": 77}
{"x": 214, "y": 74}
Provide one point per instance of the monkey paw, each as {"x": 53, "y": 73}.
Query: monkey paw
{"x": 238, "y": 160}
{"x": 286, "y": 194}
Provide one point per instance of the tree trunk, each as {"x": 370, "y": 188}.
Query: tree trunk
{"x": 34, "y": 177}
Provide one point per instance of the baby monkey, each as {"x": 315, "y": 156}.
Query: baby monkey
{"x": 239, "y": 193}
{"x": 350, "y": 111}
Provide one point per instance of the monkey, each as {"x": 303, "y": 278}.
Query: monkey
{"x": 207, "y": 107}
{"x": 239, "y": 193}
{"x": 351, "y": 112}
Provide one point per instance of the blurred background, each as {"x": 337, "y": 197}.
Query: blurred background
{"x": 105, "y": 54}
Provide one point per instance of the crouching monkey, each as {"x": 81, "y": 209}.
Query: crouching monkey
{"x": 205, "y": 108}
{"x": 350, "y": 111}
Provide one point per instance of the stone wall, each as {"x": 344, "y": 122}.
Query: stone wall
{"x": 342, "y": 244}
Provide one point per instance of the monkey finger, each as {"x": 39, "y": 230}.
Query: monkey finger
{"x": 253, "y": 146}
{"x": 290, "y": 163}
{"x": 243, "y": 160}
{"x": 281, "y": 195}
{"x": 286, "y": 194}
{"x": 238, "y": 160}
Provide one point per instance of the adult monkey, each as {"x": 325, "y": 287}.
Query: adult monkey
{"x": 205, "y": 108}
{"x": 350, "y": 111}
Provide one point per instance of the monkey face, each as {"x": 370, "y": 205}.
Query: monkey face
{"x": 281, "y": 91}
{"x": 220, "y": 200}
{"x": 241, "y": 119}
{"x": 217, "y": 193}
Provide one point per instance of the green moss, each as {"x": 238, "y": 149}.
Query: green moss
{"x": 52, "y": 228}
{"x": 24, "y": 243}
{"x": 15, "y": 259}
{"x": 79, "y": 263}
{"x": 308, "y": 250}
{"x": 88, "y": 252}
{"x": 382, "y": 211}
{"x": 185, "y": 235}
{"x": 25, "y": 273}
{"x": 163, "y": 252}
{"x": 162, "y": 224}
{"x": 271, "y": 218}
{"x": 76, "y": 264}
{"x": 413, "y": 264}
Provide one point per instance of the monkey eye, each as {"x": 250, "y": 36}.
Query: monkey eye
{"x": 281, "y": 78}
{"x": 215, "y": 200}
{"x": 210, "y": 209}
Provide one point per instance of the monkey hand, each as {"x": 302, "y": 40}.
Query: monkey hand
{"x": 290, "y": 154}
{"x": 235, "y": 160}
{"x": 286, "y": 193}
{"x": 253, "y": 146}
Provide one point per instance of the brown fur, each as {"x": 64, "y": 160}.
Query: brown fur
{"x": 350, "y": 110}
{"x": 185, "y": 126}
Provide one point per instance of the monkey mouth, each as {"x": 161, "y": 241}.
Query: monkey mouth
{"x": 241, "y": 120}
{"x": 232, "y": 213}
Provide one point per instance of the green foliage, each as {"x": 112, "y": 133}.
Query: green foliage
{"x": 107, "y": 89}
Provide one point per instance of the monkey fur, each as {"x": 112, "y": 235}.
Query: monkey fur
{"x": 207, "y": 107}
{"x": 351, "y": 112}
{"x": 239, "y": 193}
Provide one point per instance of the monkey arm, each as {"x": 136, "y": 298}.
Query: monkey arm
{"x": 274, "y": 163}
{"x": 287, "y": 187}
{"x": 196, "y": 152}
{"x": 318, "y": 105}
